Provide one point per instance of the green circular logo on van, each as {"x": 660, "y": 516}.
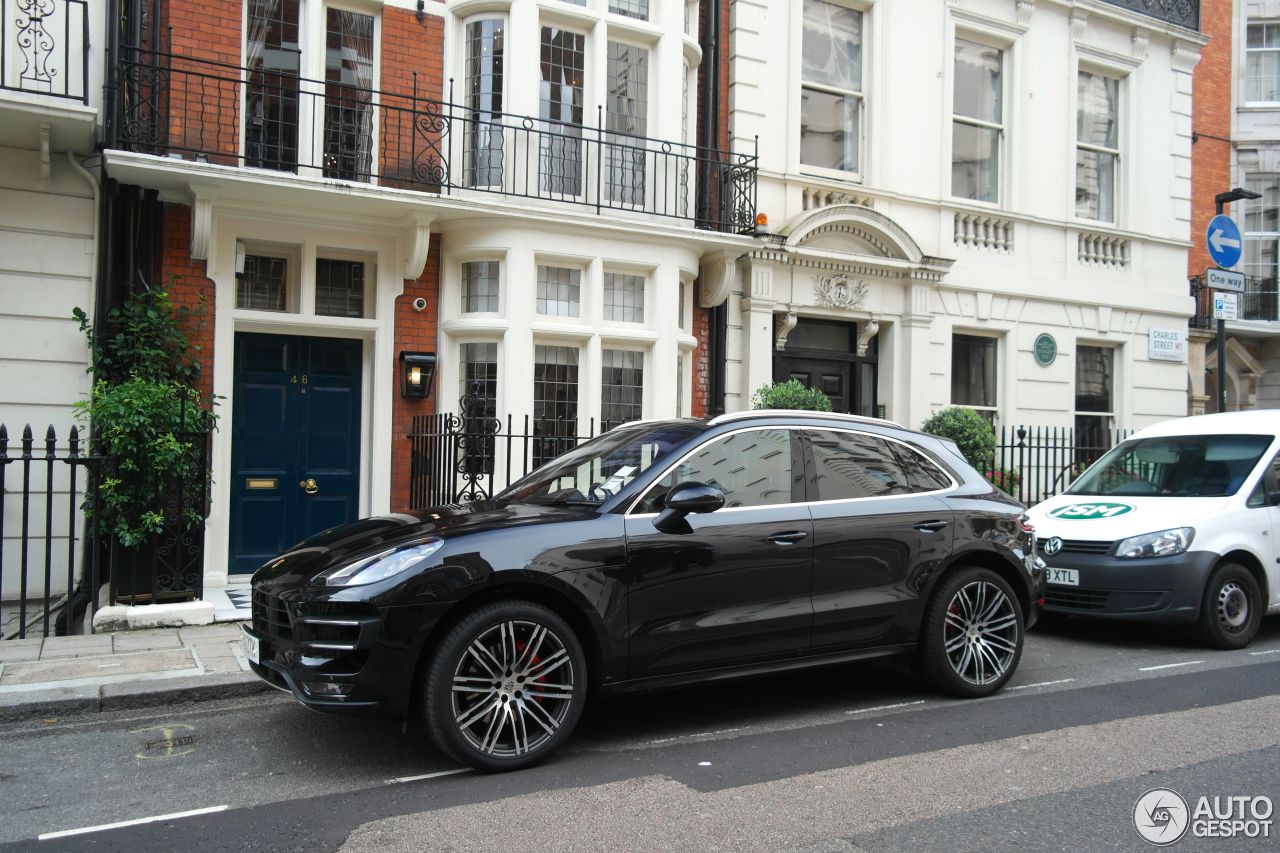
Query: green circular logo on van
{"x": 1091, "y": 510}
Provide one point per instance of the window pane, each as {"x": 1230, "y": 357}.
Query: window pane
{"x": 1097, "y": 110}
{"x": 975, "y": 162}
{"x": 271, "y": 97}
{"x": 922, "y": 474}
{"x": 348, "y": 97}
{"x": 1262, "y": 71}
{"x": 1094, "y": 378}
{"x": 630, "y": 8}
{"x": 560, "y": 106}
{"x": 555, "y": 401}
{"x": 1260, "y": 215}
{"x": 621, "y": 387}
{"x": 478, "y": 376}
{"x": 853, "y": 465}
{"x": 816, "y": 334}
{"x": 264, "y": 284}
{"x": 559, "y": 291}
{"x": 832, "y": 45}
{"x": 626, "y": 112}
{"x": 623, "y": 297}
{"x": 680, "y": 385}
{"x": 973, "y": 370}
{"x": 480, "y": 286}
{"x": 978, "y": 90}
{"x": 751, "y": 468}
{"x": 339, "y": 288}
{"x": 1095, "y": 185}
{"x": 484, "y": 140}
{"x": 829, "y": 130}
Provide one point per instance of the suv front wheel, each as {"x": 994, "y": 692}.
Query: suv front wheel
{"x": 972, "y": 634}
{"x": 505, "y": 686}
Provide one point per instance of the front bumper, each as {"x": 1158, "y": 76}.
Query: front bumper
{"x": 1158, "y": 589}
{"x": 341, "y": 659}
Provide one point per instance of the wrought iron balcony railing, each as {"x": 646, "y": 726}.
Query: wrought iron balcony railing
{"x": 44, "y": 47}
{"x": 1260, "y": 302}
{"x": 174, "y": 105}
{"x": 1184, "y": 13}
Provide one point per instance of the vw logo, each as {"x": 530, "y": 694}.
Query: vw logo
{"x": 1052, "y": 546}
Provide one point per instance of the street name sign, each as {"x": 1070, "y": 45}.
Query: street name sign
{"x": 1167, "y": 344}
{"x": 1222, "y": 237}
{"x": 1224, "y": 306}
{"x": 1225, "y": 280}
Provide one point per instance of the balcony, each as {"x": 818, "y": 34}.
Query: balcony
{"x": 179, "y": 107}
{"x": 1183, "y": 13}
{"x": 1259, "y": 304}
{"x": 45, "y": 70}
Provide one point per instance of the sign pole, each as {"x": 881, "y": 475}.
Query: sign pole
{"x": 1225, "y": 242}
{"x": 1221, "y": 340}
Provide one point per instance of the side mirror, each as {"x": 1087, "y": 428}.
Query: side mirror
{"x": 685, "y": 498}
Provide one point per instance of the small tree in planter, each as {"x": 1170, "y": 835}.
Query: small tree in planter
{"x": 151, "y": 431}
{"x": 790, "y": 395}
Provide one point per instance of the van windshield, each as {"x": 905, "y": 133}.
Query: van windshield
{"x": 1191, "y": 466}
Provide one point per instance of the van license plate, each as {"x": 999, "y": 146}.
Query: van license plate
{"x": 1063, "y": 577}
{"x": 252, "y": 647}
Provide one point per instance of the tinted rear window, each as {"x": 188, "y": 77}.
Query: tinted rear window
{"x": 855, "y": 465}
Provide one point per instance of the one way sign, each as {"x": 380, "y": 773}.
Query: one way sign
{"x": 1223, "y": 239}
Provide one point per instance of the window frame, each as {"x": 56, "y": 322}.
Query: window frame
{"x": 292, "y": 253}
{"x": 1248, "y": 54}
{"x": 329, "y": 253}
{"x": 811, "y": 487}
{"x": 1001, "y": 127}
{"x": 1118, "y": 183}
{"x": 1258, "y": 182}
{"x": 992, "y": 410}
{"x": 859, "y": 173}
{"x": 1109, "y": 418}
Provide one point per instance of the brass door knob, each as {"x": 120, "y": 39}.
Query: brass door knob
{"x": 309, "y": 485}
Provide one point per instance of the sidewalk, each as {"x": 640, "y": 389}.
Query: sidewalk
{"x": 124, "y": 669}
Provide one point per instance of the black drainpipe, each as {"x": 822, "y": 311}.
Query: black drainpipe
{"x": 710, "y": 101}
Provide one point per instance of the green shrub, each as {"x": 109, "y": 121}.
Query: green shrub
{"x": 790, "y": 395}
{"x": 969, "y": 430}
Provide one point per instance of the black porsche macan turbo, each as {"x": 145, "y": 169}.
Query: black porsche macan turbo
{"x": 660, "y": 553}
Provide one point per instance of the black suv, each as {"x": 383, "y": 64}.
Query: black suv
{"x": 660, "y": 553}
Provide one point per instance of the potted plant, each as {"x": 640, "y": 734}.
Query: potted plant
{"x": 791, "y": 394}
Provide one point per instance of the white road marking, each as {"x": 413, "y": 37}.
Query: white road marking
{"x": 885, "y": 707}
{"x": 1168, "y": 665}
{"x": 49, "y": 836}
{"x": 1042, "y": 684}
{"x": 401, "y": 779}
{"x": 1265, "y": 652}
{"x": 699, "y": 734}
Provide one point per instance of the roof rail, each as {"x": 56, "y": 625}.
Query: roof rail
{"x": 769, "y": 413}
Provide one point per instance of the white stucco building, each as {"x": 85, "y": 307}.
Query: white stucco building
{"x": 977, "y": 202}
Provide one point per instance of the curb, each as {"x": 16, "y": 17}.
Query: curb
{"x": 63, "y": 701}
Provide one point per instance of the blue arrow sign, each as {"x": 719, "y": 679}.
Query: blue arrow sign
{"x": 1224, "y": 242}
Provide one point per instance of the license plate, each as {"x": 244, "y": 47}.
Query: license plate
{"x": 1063, "y": 577}
{"x": 252, "y": 646}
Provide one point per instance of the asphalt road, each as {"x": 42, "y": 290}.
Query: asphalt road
{"x": 850, "y": 758}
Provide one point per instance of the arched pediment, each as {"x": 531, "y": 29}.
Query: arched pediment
{"x": 853, "y": 229}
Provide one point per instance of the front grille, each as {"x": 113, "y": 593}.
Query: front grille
{"x": 1077, "y": 546}
{"x": 1078, "y": 599}
{"x": 270, "y": 616}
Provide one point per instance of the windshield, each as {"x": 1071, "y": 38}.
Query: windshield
{"x": 596, "y": 471}
{"x": 1193, "y": 466}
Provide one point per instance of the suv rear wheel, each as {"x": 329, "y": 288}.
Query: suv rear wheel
{"x": 505, "y": 687}
{"x": 972, "y": 634}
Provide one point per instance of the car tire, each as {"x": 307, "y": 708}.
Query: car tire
{"x": 490, "y": 701}
{"x": 973, "y": 632}
{"x": 1231, "y": 609}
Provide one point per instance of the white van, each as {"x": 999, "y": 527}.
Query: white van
{"x": 1179, "y": 523}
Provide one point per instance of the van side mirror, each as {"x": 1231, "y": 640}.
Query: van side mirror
{"x": 685, "y": 498}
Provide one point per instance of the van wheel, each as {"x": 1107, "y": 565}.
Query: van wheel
{"x": 505, "y": 687}
{"x": 972, "y": 635}
{"x": 1231, "y": 609}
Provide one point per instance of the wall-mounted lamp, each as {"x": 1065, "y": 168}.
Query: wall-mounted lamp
{"x": 422, "y": 10}
{"x": 417, "y": 369}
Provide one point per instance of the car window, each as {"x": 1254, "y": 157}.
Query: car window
{"x": 751, "y": 468}
{"x": 1197, "y": 466}
{"x": 855, "y": 465}
{"x": 1259, "y": 495}
{"x": 922, "y": 475}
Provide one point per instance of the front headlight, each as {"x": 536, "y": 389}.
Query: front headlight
{"x": 379, "y": 567}
{"x": 1163, "y": 543}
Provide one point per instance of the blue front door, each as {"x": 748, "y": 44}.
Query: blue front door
{"x": 295, "y": 442}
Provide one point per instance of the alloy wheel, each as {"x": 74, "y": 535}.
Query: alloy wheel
{"x": 512, "y": 688}
{"x": 980, "y": 633}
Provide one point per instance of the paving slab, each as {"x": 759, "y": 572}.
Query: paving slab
{"x": 72, "y": 647}
{"x": 143, "y": 641}
{"x": 12, "y": 651}
{"x": 96, "y": 666}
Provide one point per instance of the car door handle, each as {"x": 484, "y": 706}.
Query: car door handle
{"x": 930, "y": 526}
{"x": 789, "y": 538}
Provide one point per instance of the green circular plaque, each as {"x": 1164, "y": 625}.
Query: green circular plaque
{"x": 1045, "y": 349}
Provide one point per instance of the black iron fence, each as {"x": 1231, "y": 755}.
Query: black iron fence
{"x": 174, "y": 105}
{"x": 54, "y": 559}
{"x": 1260, "y": 301}
{"x": 1035, "y": 463}
{"x": 44, "y": 47}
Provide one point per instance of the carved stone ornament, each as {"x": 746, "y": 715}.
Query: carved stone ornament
{"x": 837, "y": 291}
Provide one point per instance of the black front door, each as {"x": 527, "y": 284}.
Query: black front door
{"x": 295, "y": 442}
{"x": 823, "y": 354}
{"x": 734, "y": 587}
{"x": 833, "y": 378}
